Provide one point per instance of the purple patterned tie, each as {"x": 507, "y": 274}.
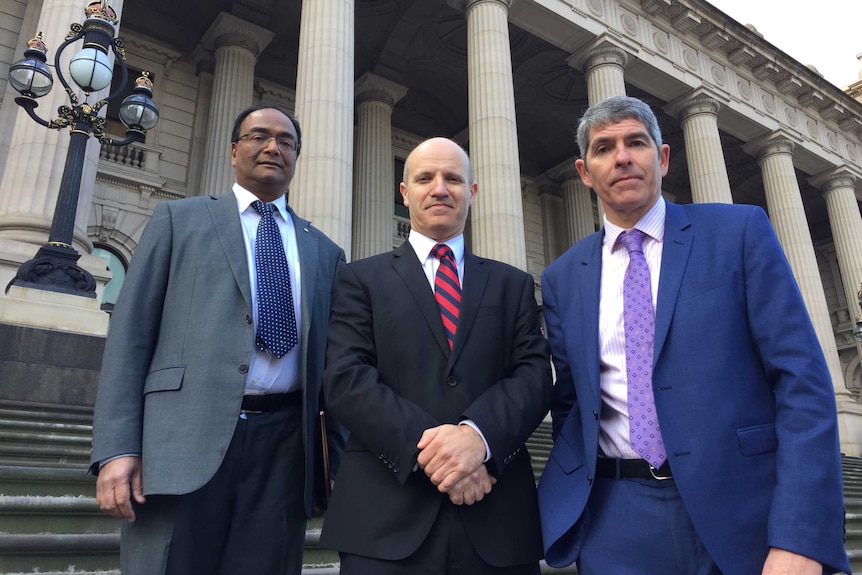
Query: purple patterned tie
{"x": 644, "y": 432}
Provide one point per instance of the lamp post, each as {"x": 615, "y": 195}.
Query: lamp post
{"x": 55, "y": 268}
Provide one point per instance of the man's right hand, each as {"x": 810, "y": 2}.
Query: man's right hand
{"x": 118, "y": 482}
{"x": 473, "y": 488}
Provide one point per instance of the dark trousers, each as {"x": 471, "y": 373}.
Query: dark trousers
{"x": 640, "y": 527}
{"x": 446, "y": 551}
{"x": 249, "y": 518}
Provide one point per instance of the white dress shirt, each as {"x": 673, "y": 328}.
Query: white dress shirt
{"x": 614, "y": 428}
{"x": 422, "y": 246}
{"x": 266, "y": 372}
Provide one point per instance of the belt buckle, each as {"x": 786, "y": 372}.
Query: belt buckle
{"x": 653, "y": 470}
{"x": 249, "y": 412}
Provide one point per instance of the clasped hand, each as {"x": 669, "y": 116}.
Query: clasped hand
{"x": 452, "y": 457}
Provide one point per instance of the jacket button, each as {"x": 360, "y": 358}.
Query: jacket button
{"x": 243, "y": 368}
{"x": 590, "y": 479}
{"x": 452, "y": 381}
{"x": 595, "y": 414}
{"x": 247, "y": 318}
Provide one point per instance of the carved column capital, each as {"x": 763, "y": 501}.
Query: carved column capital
{"x": 602, "y": 55}
{"x": 371, "y": 87}
{"x": 228, "y": 30}
{"x": 770, "y": 146}
{"x": 697, "y": 105}
{"x": 833, "y": 180}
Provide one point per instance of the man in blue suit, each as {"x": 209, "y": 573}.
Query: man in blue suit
{"x": 728, "y": 461}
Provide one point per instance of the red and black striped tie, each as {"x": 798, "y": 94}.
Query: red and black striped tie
{"x": 447, "y": 290}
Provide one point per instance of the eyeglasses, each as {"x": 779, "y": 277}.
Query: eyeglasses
{"x": 262, "y": 139}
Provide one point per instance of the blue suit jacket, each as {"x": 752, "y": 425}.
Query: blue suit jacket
{"x": 743, "y": 394}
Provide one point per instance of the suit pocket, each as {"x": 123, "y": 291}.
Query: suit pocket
{"x": 696, "y": 287}
{"x": 565, "y": 456}
{"x": 168, "y": 379}
{"x": 757, "y": 439}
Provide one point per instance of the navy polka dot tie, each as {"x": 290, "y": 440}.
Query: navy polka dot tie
{"x": 639, "y": 320}
{"x": 447, "y": 290}
{"x": 276, "y": 318}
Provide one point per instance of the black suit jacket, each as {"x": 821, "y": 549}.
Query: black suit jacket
{"x": 390, "y": 375}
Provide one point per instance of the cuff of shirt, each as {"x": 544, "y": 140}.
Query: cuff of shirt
{"x": 479, "y": 431}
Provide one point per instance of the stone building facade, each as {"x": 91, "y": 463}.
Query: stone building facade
{"x": 368, "y": 79}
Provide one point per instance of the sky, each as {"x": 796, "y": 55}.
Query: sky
{"x": 826, "y": 34}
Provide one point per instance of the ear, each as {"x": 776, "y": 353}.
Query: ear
{"x": 474, "y": 189}
{"x": 664, "y": 158}
{"x": 403, "y": 188}
{"x": 581, "y": 166}
{"x": 233, "y": 154}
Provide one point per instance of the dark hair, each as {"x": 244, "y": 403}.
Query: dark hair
{"x": 265, "y": 105}
{"x": 614, "y": 110}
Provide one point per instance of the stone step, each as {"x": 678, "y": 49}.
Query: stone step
{"x": 55, "y": 552}
{"x": 44, "y": 454}
{"x": 12, "y": 410}
{"x": 22, "y": 514}
{"x": 42, "y": 480}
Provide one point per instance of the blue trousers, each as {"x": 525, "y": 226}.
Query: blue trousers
{"x": 640, "y": 527}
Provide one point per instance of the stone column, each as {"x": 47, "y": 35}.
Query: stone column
{"x": 604, "y": 67}
{"x": 321, "y": 189}
{"x": 497, "y": 214}
{"x": 236, "y": 45}
{"x": 555, "y": 238}
{"x": 37, "y": 155}
{"x": 579, "y": 207}
{"x": 784, "y": 201}
{"x": 706, "y": 168}
{"x": 845, "y": 220}
{"x": 374, "y": 177}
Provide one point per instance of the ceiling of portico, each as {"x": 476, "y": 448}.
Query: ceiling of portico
{"x": 422, "y": 45}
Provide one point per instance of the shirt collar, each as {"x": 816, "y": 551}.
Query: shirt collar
{"x": 423, "y": 245}
{"x": 651, "y": 223}
{"x": 244, "y": 199}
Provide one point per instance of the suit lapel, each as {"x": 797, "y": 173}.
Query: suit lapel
{"x": 306, "y": 243}
{"x": 587, "y": 291}
{"x": 472, "y": 291}
{"x": 677, "y": 248}
{"x": 407, "y": 266}
{"x": 228, "y": 229}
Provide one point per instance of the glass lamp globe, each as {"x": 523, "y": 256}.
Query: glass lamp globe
{"x": 138, "y": 112}
{"x": 31, "y": 76}
{"x": 91, "y": 69}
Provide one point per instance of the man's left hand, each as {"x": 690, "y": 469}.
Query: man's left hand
{"x": 449, "y": 453}
{"x": 783, "y": 562}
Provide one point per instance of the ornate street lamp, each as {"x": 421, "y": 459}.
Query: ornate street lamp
{"x": 55, "y": 266}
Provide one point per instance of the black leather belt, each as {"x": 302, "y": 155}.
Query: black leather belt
{"x": 631, "y": 468}
{"x": 255, "y": 403}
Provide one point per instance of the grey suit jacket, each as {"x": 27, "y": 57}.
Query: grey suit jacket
{"x": 181, "y": 338}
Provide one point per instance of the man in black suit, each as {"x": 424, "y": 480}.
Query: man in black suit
{"x": 435, "y": 477}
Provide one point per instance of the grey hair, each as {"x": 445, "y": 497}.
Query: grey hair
{"x": 614, "y": 110}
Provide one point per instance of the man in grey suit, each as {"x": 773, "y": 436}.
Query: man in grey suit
{"x": 206, "y": 432}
